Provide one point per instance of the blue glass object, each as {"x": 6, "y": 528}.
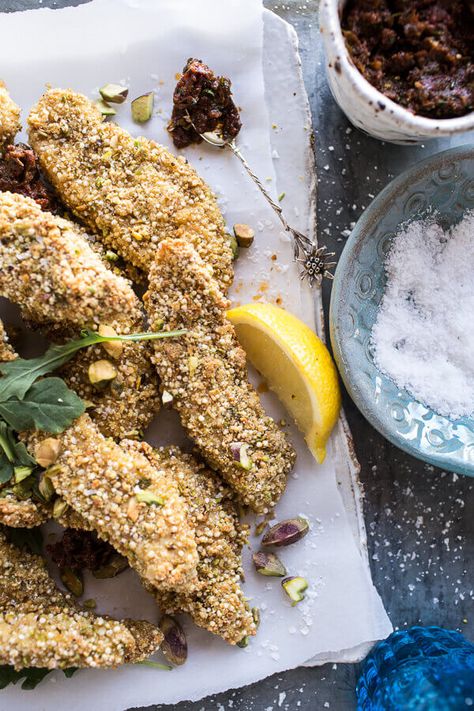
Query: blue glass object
{"x": 420, "y": 669}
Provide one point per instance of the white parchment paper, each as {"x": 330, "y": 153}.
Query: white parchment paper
{"x": 144, "y": 43}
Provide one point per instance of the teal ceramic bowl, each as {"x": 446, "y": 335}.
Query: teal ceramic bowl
{"x": 444, "y": 183}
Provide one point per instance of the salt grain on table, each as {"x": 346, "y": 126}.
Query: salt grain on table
{"x": 423, "y": 337}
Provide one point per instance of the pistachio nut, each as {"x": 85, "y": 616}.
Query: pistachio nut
{"x": 244, "y": 235}
{"x": 295, "y": 587}
{"x": 72, "y": 581}
{"x": 268, "y": 564}
{"x": 286, "y": 532}
{"x": 114, "y": 566}
{"x": 114, "y": 93}
{"x": 112, "y": 348}
{"x": 142, "y": 107}
{"x": 47, "y": 452}
{"x": 174, "y": 645}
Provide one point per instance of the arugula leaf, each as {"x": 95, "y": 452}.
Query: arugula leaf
{"x": 32, "y": 676}
{"x": 21, "y": 373}
{"x": 49, "y": 405}
{"x": 6, "y": 469}
{"x": 29, "y": 538}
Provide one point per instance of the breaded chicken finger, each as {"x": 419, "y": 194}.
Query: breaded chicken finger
{"x": 205, "y": 372}
{"x": 42, "y": 627}
{"x": 131, "y": 192}
{"x": 129, "y": 503}
{"x": 59, "y": 282}
{"x": 9, "y": 118}
{"x": 218, "y": 604}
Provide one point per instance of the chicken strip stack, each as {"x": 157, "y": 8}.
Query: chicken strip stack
{"x": 205, "y": 372}
{"x": 15, "y": 512}
{"x": 131, "y": 192}
{"x": 129, "y": 503}
{"x": 42, "y": 627}
{"x": 218, "y": 604}
{"x": 9, "y": 118}
{"x": 51, "y": 272}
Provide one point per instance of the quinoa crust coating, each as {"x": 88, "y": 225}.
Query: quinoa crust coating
{"x": 131, "y": 192}
{"x": 102, "y": 482}
{"x": 218, "y": 604}
{"x": 205, "y": 372}
{"x": 59, "y": 282}
{"x": 13, "y": 511}
{"x": 9, "y": 117}
{"x": 40, "y": 626}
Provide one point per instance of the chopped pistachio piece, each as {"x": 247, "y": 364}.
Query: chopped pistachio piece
{"x": 268, "y": 564}
{"x": 116, "y": 565}
{"x": 59, "y": 508}
{"x": 114, "y": 93}
{"x": 241, "y": 455}
{"x": 142, "y": 107}
{"x": 46, "y": 488}
{"x": 256, "y": 616}
{"x": 72, "y": 581}
{"x": 174, "y": 645}
{"x": 244, "y": 235}
{"x": 113, "y": 348}
{"x": 148, "y": 497}
{"x": 47, "y": 452}
{"x": 22, "y": 473}
{"x": 233, "y": 245}
{"x": 104, "y": 109}
{"x": 101, "y": 372}
{"x": 244, "y": 642}
{"x": 286, "y": 532}
{"x": 295, "y": 588}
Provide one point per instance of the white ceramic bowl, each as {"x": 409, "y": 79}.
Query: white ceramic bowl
{"x": 367, "y": 108}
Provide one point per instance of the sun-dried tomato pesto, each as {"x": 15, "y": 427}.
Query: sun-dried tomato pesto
{"x": 419, "y": 53}
{"x": 80, "y": 550}
{"x": 19, "y": 173}
{"x": 202, "y": 102}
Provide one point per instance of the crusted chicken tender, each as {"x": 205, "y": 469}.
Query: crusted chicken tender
{"x": 128, "y": 502}
{"x": 42, "y": 627}
{"x": 51, "y": 271}
{"x": 9, "y": 117}
{"x": 218, "y": 604}
{"x": 131, "y": 192}
{"x": 15, "y": 512}
{"x": 205, "y": 372}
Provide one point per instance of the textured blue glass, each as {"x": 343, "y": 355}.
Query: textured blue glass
{"x": 420, "y": 669}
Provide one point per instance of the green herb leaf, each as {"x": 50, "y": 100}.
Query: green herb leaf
{"x": 32, "y": 676}
{"x": 29, "y": 538}
{"x": 6, "y": 469}
{"x": 155, "y": 665}
{"x": 49, "y": 405}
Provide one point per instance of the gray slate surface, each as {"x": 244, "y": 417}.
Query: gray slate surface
{"x": 420, "y": 520}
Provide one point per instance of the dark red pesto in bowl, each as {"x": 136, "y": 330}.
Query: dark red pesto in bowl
{"x": 419, "y": 53}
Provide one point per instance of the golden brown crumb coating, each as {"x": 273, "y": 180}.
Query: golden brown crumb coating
{"x": 9, "y": 117}
{"x": 129, "y": 503}
{"x": 205, "y": 372}
{"x": 50, "y": 270}
{"x": 218, "y": 604}
{"x": 42, "y": 627}
{"x": 131, "y": 192}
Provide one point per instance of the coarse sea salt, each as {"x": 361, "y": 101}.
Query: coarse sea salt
{"x": 423, "y": 337}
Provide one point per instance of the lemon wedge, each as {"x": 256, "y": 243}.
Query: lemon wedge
{"x": 296, "y": 365}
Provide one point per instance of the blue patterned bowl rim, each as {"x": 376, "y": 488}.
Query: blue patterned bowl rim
{"x": 449, "y": 178}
